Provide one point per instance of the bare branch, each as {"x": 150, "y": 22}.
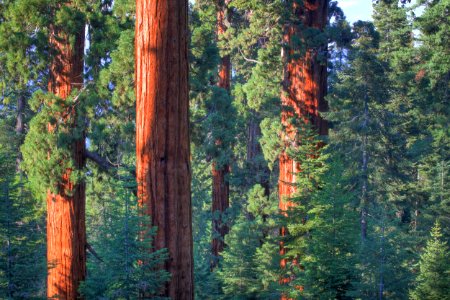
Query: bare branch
{"x": 249, "y": 59}
{"x": 93, "y": 252}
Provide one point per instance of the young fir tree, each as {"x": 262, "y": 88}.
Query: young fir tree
{"x": 250, "y": 262}
{"x": 22, "y": 248}
{"x": 296, "y": 218}
{"x": 123, "y": 264}
{"x": 434, "y": 269}
{"x": 328, "y": 255}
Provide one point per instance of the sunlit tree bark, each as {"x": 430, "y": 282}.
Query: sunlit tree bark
{"x": 162, "y": 134}
{"x": 66, "y": 229}
{"x": 304, "y": 88}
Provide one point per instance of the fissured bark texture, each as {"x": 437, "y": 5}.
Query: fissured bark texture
{"x": 304, "y": 89}
{"x": 162, "y": 134}
{"x": 221, "y": 187}
{"x": 66, "y": 229}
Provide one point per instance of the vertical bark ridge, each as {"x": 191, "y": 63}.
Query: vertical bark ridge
{"x": 162, "y": 134}
{"x": 304, "y": 88}
{"x": 66, "y": 229}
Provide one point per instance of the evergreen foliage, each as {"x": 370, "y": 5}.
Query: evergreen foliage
{"x": 367, "y": 195}
{"x": 434, "y": 269}
{"x": 22, "y": 248}
{"x": 124, "y": 265}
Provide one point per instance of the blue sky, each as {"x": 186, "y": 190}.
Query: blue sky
{"x": 356, "y": 9}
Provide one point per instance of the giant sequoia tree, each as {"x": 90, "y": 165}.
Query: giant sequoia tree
{"x": 66, "y": 232}
{"x": 220, "y": 170}
{"x": 54, "y": 147}
{"x": 304, "y": 87}
{"x": 162, "y": 134}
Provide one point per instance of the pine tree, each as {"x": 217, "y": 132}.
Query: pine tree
{"x": 434, "y": 269}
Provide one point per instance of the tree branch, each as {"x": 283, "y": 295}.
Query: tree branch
{"x": 93, "y": 252}
{"x": 249, "y": 59}
{"x": 102, "y": 162}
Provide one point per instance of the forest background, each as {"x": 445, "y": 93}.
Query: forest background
{"x": 369, "y": 214}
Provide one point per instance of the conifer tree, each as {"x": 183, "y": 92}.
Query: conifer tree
{"x": 162, "y": 134}
{"x": 304, "y": 88}
{"x": 220, "y": 169}
{"x": 434, "y": 269}
{"x": 115, "y": 268}
{"x": 22, "y": 247}
{"x": 361, "y": 109}
{"x": 430, "y": 94}
{"x": 55, "y": 168}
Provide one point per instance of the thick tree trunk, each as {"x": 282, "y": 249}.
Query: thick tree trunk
{"x": 304, "y": 88}
{"x": 66, "y": 230}
{"x": 162, "y": 134}
{"x": 220, "y": 190}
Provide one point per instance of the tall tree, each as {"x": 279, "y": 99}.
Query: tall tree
{"x": 162, "y": 134}
{"x": 51, "y": 55}
{"x": 66, "y": 229}
{"x": 304, "y": 88}
{"x": 220, "y": 170}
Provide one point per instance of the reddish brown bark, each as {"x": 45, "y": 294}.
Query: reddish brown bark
{"x": 304, "y": 88}
{"x": 220, "y": 190}
{"x": 162, "y": 134}
{"x": 66, "y": 230}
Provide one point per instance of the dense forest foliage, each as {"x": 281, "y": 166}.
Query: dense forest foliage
{"x": 287, "y": 153}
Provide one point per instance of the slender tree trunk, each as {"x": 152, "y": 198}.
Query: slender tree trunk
{"x": 220, "y": 190}
{"x": 254, "y": 151}
{"x": 365, "y": 176}
{"x": 304, "y": 88}
{"x": 19, "y": 129}
{"x": 162, "y": 134}
{"x": 66, "y": 229}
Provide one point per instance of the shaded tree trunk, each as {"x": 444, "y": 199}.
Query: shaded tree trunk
{"x": 221, "y": 187}
{"x": 254, "y": 152}
{"x": 304, "y": 88}
{"x": 20, "y": 125}
{"x": 162, "y": 134}
{"x": 66, "y": 229}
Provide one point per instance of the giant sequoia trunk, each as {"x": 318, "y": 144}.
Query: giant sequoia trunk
{"x": 66, "y": 230}
{"x": 162, "y": 134}
{"x": 220, "y": 191}
{"x": 304, "y": 88}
